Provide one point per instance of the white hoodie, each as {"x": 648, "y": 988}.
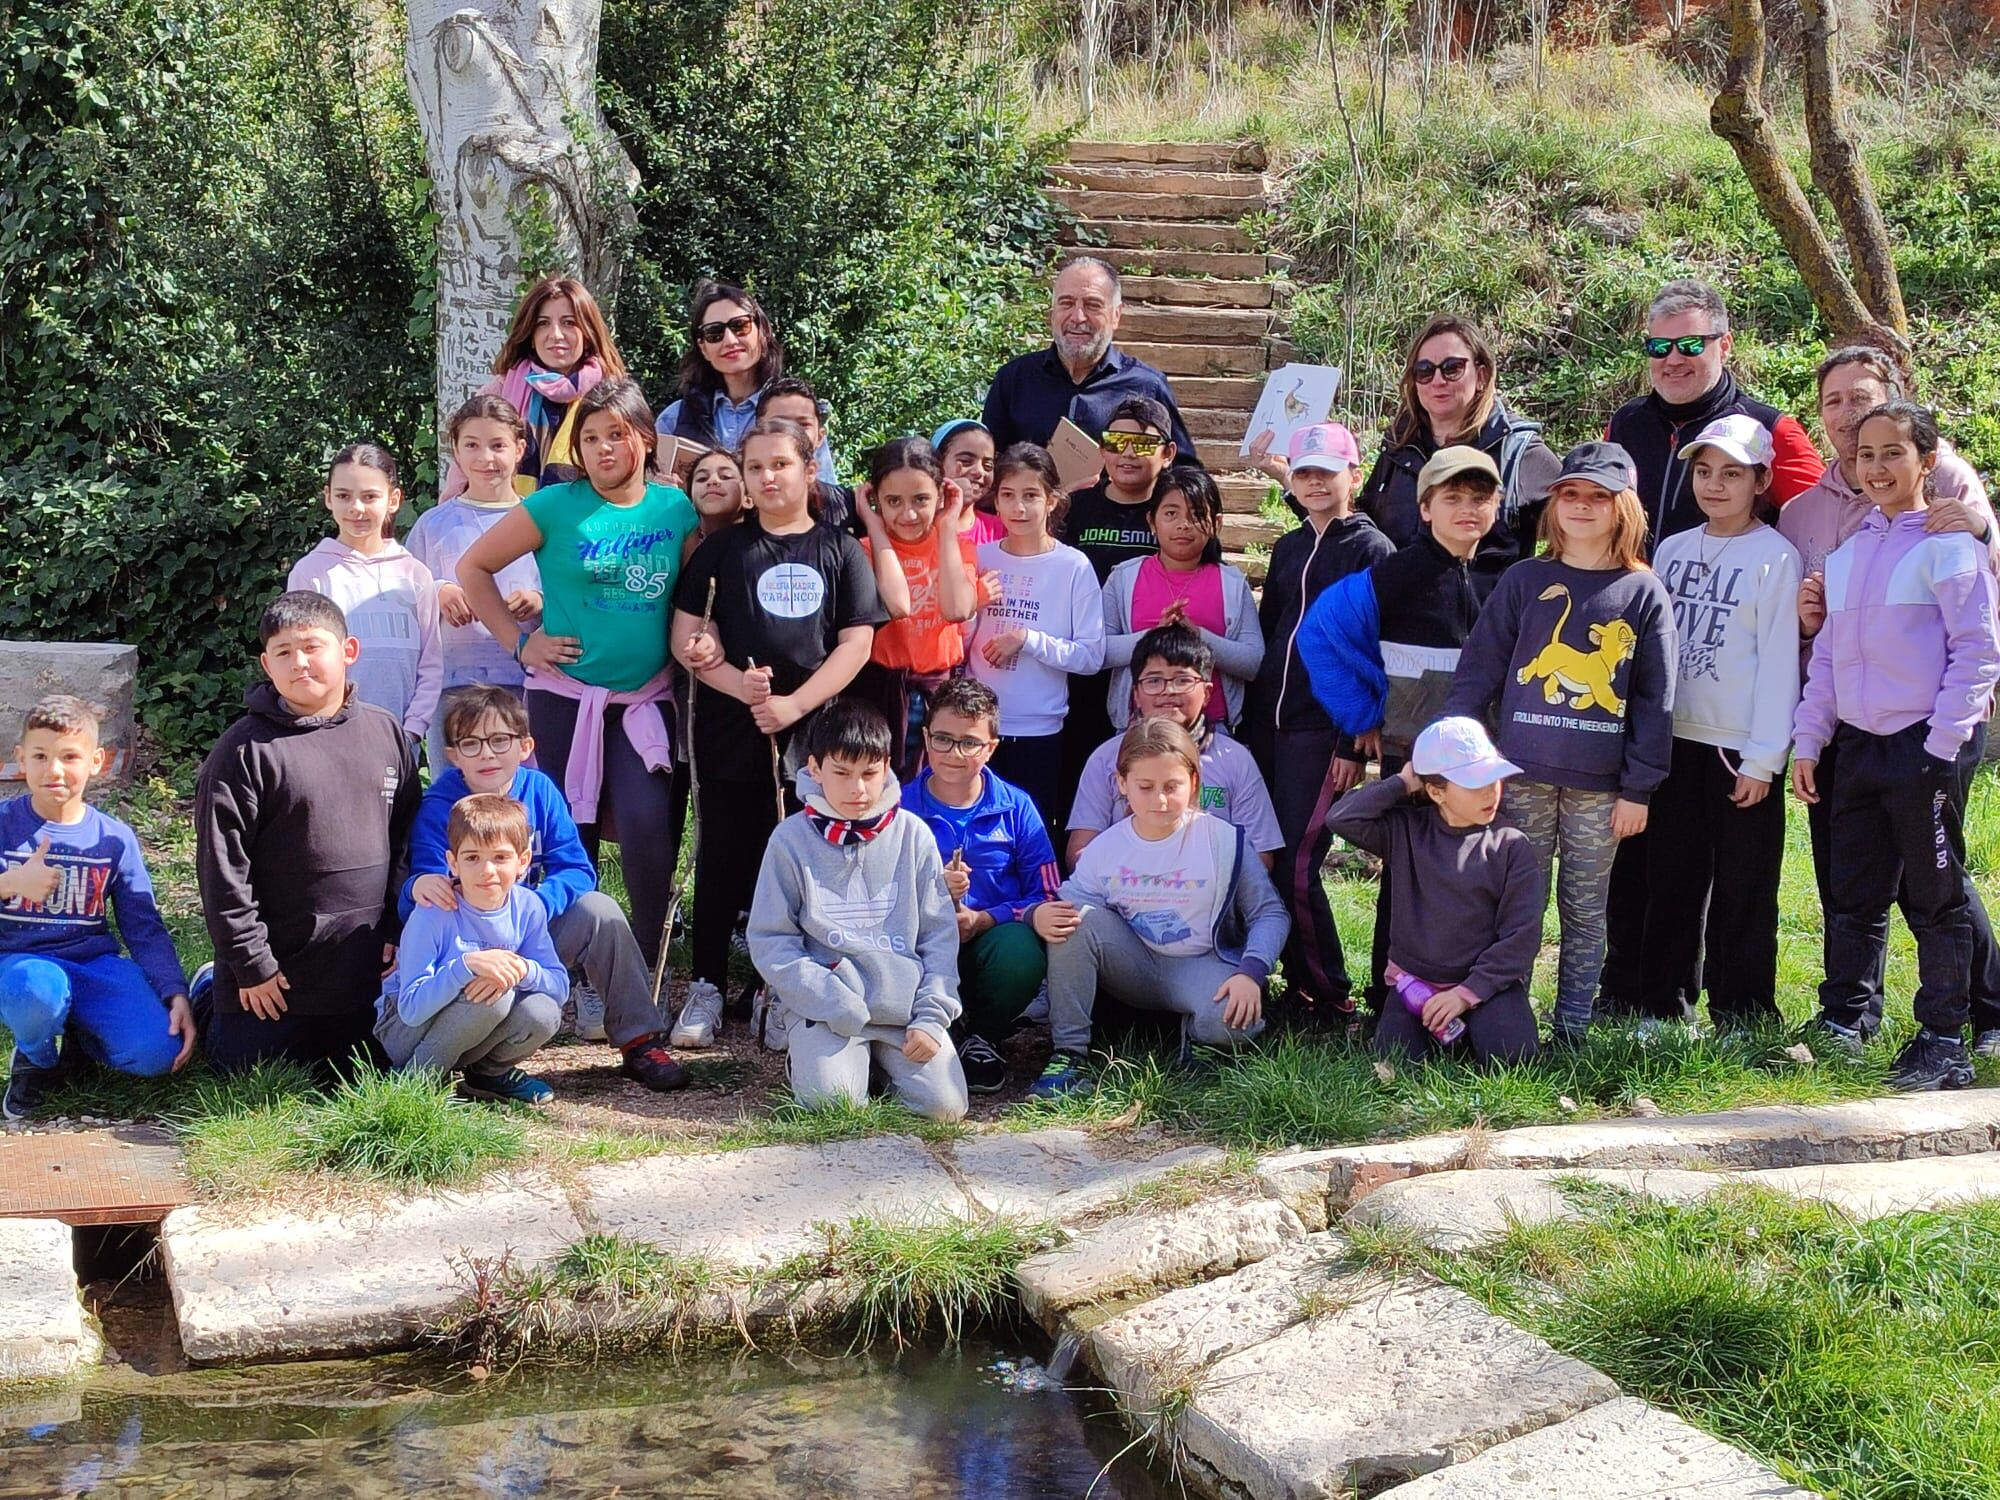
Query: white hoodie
{"x": 390, "y": 600}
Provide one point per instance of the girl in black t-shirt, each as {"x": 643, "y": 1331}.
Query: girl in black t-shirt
{"x": 789, "y": 619}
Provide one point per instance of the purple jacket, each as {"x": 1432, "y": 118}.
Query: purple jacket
{"x": 1909, "y": 636}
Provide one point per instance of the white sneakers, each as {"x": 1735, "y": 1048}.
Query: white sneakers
{"x": 701, "y": 1017}
{"x": 589, "y": 1007}
{"x": 769, "y": 1020}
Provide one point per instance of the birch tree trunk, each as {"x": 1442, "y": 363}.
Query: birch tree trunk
{"x": 506, "y": 93}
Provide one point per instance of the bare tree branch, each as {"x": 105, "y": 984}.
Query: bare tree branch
{"x": 1839, "y": 171}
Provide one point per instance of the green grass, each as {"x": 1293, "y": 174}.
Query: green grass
{"x": 1859, "y": 1359}
{"x": 789, "y": 1123}
{"x": 914, "y": 1280}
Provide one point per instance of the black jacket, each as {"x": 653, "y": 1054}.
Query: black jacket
{"x": 1427, "y": 602}
{"x": 1527, "y": 469}
{"x": 301, "y": 844}
{"x": 1303, "y": 562}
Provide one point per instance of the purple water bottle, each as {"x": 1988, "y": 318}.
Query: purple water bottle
{"x": 1416, "y": 994}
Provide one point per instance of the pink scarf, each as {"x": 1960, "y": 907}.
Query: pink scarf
{"x": 532, "y": 391}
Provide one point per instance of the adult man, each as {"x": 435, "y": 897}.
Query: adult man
{"x": 1079, "y": 376}
{"x": 1687, "y": 348}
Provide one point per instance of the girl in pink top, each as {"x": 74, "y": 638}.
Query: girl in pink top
{"x": 965, "y": 452}
{"x": 389, "y": 598}
{"x": 1185, "y": 582}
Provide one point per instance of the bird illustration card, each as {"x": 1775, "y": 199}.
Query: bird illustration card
{"x": 1294, "y": 396}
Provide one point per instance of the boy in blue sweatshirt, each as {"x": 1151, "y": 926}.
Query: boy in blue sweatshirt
{"x": 63, "y": 867}
{"x": 486, "y": 741}
{"x": 479, "y": 987}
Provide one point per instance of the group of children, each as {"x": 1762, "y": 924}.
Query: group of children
{"x": 901, "y": 714}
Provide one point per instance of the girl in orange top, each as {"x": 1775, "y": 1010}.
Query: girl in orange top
{"x": 926, "y": 573}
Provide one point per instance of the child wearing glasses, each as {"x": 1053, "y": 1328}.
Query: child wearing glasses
{"x": 487, "y": 743}
{"x": 999, "y": 868}
{"x": 1184, "y": 582}
{"x": 1175, "y": 667}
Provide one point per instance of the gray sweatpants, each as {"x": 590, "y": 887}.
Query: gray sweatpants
{"x": 828, "y": 1068}
{"x": 1105, "y": 953}
{"x": 471, "y": 1037}
{"x": 593, "y": 935}
{"x": 1571, "y": 830}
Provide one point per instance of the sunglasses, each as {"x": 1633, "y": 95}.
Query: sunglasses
{"x": 1452, "y": 369}
{"x": 711, "y": 333}
{"x": 1690, "y": 344}
{"x": 1137, "y": 444}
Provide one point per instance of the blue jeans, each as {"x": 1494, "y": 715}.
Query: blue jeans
{"x": 107, "y": 1002}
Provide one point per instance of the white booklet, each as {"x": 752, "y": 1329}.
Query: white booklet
{"x": 1294, "y": 396}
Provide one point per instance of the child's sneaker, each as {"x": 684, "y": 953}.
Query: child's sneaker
{"x": 701, "y": 1017}
{"x": 201, "y": 997}
{"x": 1931, "y": 1060}
{"x": 1832, "y": 1036}
{"x": 27, "y": 1087}
{"x": 770, "y": 1022}
{"x": 589, "y": 1007}
{"x": 1063, "y": 1074}
{"x": 510, "y": 1087}
{"x": 648, "y": 1062}
{"x": 1987, "y": 1044}
{"x": 985, "y": 1069}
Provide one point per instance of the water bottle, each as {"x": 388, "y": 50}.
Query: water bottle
{"x": 1416, "y": 994}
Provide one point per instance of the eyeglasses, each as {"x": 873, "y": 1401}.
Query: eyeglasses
{"x": 711, "y": 333}
{"x": 1137, "y": 444}
{"x": 951, "y": 744}
{"x": 1690, "y": 344}
{"x": 1187, "y": 682}
{"x": 496, "y": 744}
{"x": 1452, "y": 369}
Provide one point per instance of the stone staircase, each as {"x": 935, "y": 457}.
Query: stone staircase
{"x": 1203, "y": 303}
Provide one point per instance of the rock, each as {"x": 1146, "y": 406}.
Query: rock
{"x": 44, "y": 1334}
{"x": 1058, "y": 1174}
{"x": 1460, "y": 1210}
{"x": 1875, "y": 1190}
{"x": 1608, "y": 224}
{"x": 293, "y": 1284}
{"x": 1158, "y": 1343}
{"x": 102, "y": 673}
{"x": 757, "y": 1207}
{"x": 1393, "y": 1385}
{"x": 1341, "y": 1174}
{"x": 1622, "y": 1450}
{"x": 1133, "y": 1254}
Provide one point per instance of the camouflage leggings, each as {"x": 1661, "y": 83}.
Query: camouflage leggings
{"x": 1572, "y": 830}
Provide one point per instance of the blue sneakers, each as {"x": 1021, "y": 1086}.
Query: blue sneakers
{"x": 1062, "y": 1075}
{"x": 510, "y": 1087}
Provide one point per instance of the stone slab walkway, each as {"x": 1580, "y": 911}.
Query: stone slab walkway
{"x": 44, "y": 1332}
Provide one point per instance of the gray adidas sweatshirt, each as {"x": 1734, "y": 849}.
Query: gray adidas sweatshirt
{"x": 857, "y": 935}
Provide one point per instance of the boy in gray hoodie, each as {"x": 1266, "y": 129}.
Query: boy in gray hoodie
{"x": 854, "y": 931}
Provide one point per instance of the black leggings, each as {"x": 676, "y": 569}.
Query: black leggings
{"x": 638, "y": 802}
{"x": 735, "y": 820}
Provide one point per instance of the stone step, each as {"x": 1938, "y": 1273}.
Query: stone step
{"x": 1221, "y": 264}
{"x": 1198, "y": 359}
{"x": 1190, "y": 207}
{"x": 1196, "y": 291}
{"x": 1242, "y": 494}
{"x": 1460, "y": 1210}
{"x": 1297, "y": 1377}
{"x": 1147, "y": 234}
{"x": 44, "y": 1334}
{"x": 1622, "y": 1448}
{"x": 1252, "y": 565}
{"x": 1198, "y": 156}
{"x": 1143, "y": 323}
{"x": 1057, "y": 1175}
{"x": 1220, "y": 456}
{"x": 1210, "y": 422}
{"x": 1233, "y": 393}
{"x": 1895, "y": 1128}
{"x": 1143, "y": 179}
{"x": 1239, "y": 532}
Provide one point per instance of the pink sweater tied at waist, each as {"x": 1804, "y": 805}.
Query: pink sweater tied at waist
{"x": 645, "y": 726}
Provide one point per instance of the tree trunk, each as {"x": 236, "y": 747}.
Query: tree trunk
{"x": 519, "y": 161}
{"x": 1737, "y": 115}
{"x": 1839, "y": 171}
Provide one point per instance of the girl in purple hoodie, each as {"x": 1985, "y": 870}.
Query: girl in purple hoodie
{"x": 1902, "y": 673}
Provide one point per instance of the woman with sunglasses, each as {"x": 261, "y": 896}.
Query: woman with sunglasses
{"x": 1450, "y": 399}
{"x": 732, "y": 354}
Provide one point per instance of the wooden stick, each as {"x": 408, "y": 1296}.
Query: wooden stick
{"x": 694, "y": 808}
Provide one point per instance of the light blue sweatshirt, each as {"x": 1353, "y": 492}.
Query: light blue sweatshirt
{"x": 430, "y": 965}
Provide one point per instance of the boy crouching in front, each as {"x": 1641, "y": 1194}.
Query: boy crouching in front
{"x": 854, "y": 931}
{"x": 478, "y": 988}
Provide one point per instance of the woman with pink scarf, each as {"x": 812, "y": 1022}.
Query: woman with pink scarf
{"x": 558, "y": 347}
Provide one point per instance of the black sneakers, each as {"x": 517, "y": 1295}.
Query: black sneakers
{"x": 985, "y": 1069}
{"x": 27, "y": 1087}
{"x": 1931, "y": 1060}
{"x": 648, "y": 1062}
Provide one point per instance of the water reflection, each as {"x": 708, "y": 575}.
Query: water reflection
{"x": 927, "y": 1426}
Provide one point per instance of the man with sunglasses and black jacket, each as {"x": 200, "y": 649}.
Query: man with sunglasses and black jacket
{"x": 1687, "y": 348}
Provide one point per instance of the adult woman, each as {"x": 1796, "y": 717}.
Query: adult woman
{"x": 556, "y": 349}
{"x": 732, "y": 354}
{"x": 1450, "y": 397}
{"x": 608, "y": 548}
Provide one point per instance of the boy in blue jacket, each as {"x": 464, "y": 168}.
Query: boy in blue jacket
{"x": 478, "y": 987}
{"x": 486, "y": 742}
{"x": 64, "y": 866}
